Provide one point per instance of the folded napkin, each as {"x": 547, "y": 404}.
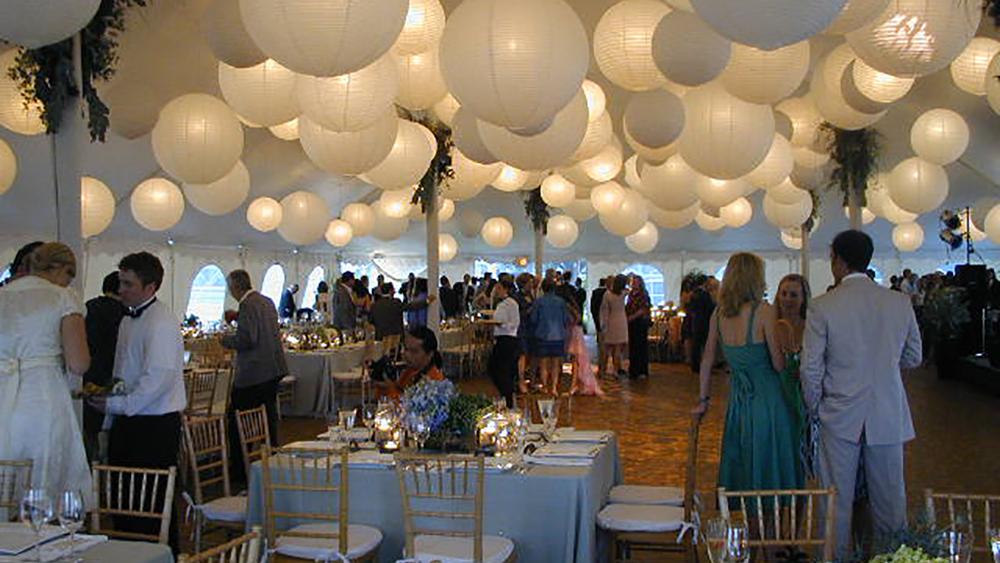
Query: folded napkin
{"x": 559, "y": 461}
{"x": 317, "y": 445}
{"x": 568, "y": 449}
{"x": 58, "y": 549}
{"x": 586, "y": 436}
{"x": 370, "y": 458}
{"x": 356, "y": 434}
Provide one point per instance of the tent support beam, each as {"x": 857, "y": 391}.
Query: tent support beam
{"x": 67, "y": 147}
{"x": 539, "y": 253}
{"x": 433, "y": 259}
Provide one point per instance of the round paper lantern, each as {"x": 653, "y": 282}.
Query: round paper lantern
{"x": 632, "y": 178}
{"x": 688, "y": 51}
{"x": 667, "y": 219}
{"x": 408, "y": 159}
{"x": 655, "y": 118}
{"x": 222, "y": 28}
{"x": 892, "y": 212}
{"x": 349, "y": 102}
{"x": 157, "y": 204}
{"x": 768, "y": 24}
{"x": 581, "y": 210}
{"x": 339, "y": 233}
{"x": 878, "y": 86}
{"x": 918, "y": 186}
{"x": 598, "y": 135}
{"x": 466, "y": 135}
{"x": 724, "y": 136}
{"x": 939, "y": 136}
{"x": 992, "y": 225}
{"x": 514, "y": 63}
{"x": 969, "y": 69}
{"x": 764, "y": 77}
{"x": 916, "y": 37}
{"x": 606, "y": 165}
{"x": 719, "y": 193}
{"x": 360, "y": 217}
{"x": 866, "y": 215}
{"x": 470, "y": 222}
{"x": 445, "y": 108}
{"x": 993, "y": 86}
{"x": 287, "y": 131}
{"x": 561, "y": 231}
{"x": 15, "y": 114}
{"x": 304, "y": 218}
{"x": 777, "y": 165}
{"x": 970, "y": 231}
{"x": 223, "y": 195}
{"x": 263, "y": 94}
{"x": 497, "y": 232}
{"x": 596, "y": 100}
{"x": 8, "y": 166}
{"x": 197, "y": 138}
{"x": 644, "y": 240}
{"x": 737, "y": 213}
{"x": 420, "y": 82}
{"x": 264, "y": 214}
{"x": 623, "y": 44}
{"x": 907, "y": 237}
{"x": 651, "y": 155}
{"x": 35, "y": 23}
{"x": 546, "y": 149}
{"x": 607, "y": 197}
{"x": 829, "y": 98}
{"x": 981, "y": 208}
{"x": 785, "y": 216}
{"x": 510, "y": 179}
{"x": 855, "y": 14}
{"x": 791, "y": 242}
{"x": 707, "y": 222}
{"x": 388, "y": 229}
{"x": 447, "y": 247}
{"x": 422, "y": 29}
{"x": 97, "y": 206}
{"x": 349, "y": 152}
{"x": 628, "y": 216}
{"x": 557, "y": 191}
{"x": 670, "y": 185}
{"x": 807, "y": 178}
{"x": 324, "y": 37}
{"x": 853, "y": 97}
{"x": 808, "y": 158}
{"x": 787, "y": 193}
{"x": 247, "y": 123}
{"x": 470, "y": 176}
{"x": 396, "y": 204}
{"x": 805, "y": 120}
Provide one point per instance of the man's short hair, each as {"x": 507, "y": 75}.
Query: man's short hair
{"x": 146, "y": 267}
{"x": 111, "y": 284}
{"x": 347, "y": 276}
{"x": 240, "y": 280}
{"x": 855, "y": 248}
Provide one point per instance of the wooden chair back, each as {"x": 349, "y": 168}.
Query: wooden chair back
{"x": 200, "y": 387}
{"x": 244, "y": 549}
{"x": 15, "y": 479}
{"x": 304, "y": 473}
{"x": 253, "y": 433}
{"x": 442, "y": 489}
{"x": 692, "y": 502}
{"x": 133, "y": 492}
{"x": 207, "y": 453}
{"x": 782, "y": 518}
{"x": 222, "y": 392}
{"x": 980, "y": 512}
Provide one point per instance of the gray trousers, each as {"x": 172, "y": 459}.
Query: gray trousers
{"x": 883, "y": 467}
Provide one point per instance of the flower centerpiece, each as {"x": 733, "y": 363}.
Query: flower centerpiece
{"x": 441, "y": 418}
{"x": 906, "y": 554}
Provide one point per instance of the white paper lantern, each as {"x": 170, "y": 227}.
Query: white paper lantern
{"x": 939, "y": 136}
{"x": 623, "y": 43}
{"x": 707, "y": 222}
{"x": 557, "y": 191}
{"x": 396, "y": 204}
{"x": 304, "y": 218}
{"x": 606, "y": 165}
{"x": 349, "y": 102}
{"x": 197, "y": 138}
{"x": 981, "y": 208}
{"x": 777, "y": 165}
{"x": 907, "y": 237}
{"x": 970, "y": 231}
{"x": 470, "y": 176}
{"x": 805, "y": 157}
{"x": 968, "y": 71}
{"x": 408, "y": 160}
{"x": 470, "y": 222}
{"x": 466, "y": 135}
{"x": 805, "y": 120}
{"x": 737, "y": 213}
{"x": 596, "y": 100}
{"x": 814, "y": 179}
{"x": 287, "y": 131}
{"x": 514, "y": 63}
{"x": 632, "y": 178}
{"x": 447, "y": 247}
{"x": 15, "y": 114}
{"x": 628, "y": 216}
{"x": 765, "y": 77}
{"x": 790, "y": 241}
{"x": 878, "y": 86}
{"x": 263, "y": 94}
{"x": 223, "y": 195}
{"x": 787, "y": 193}
{"x": 35, "y": 23}
{"x": 349, "y": 152}
{"x": 97, "y": 206}
{"x": 670, "y": 185}
{"x": 688, "y": 51}
{"x": 826, "y": 92}
{"x": 667, "y": 219}
{"x": 719, "y": 193}
{"x": 546, "y": 149}
{"x": 607, "y": 197}
{"x": 644, "y": 240}
{"x": 724, "y": 136}
{"x": 786, "y": 216}
{"x": 916, "y": 37}
{"x": 768, "y": 24}
{"x": 497, "y": 232}
{"x": 339, "y": 233}
{"x": 993, "y": 86}
{"x": 991, "y": 225}
{"x": 222, "y": 28}
{"x": 918, "y": 186}
{"x": 855, "y": 14}
{"x": 264, "y": 214}
{"x": 157, "y": 204}
{"x": 510, "y": 179}
{"x": 854, "y": 97}
{"x": 360, "y": 217}
{"x": 866, "y": 215}
{"x": 388, "y": 229}
{"x": 651, "y": 155}
{"x": 420, "y": 82}
{"x": 445, "y": 108}
{"x": 581, "y": 210}
{"x": 561, "y": 231}
{"x": 892, "y": 212}
{"x": 8, "y": 166}
{"x": 655, "y": 118}
{"x": 324, "y": 37}
{"x": 598, "y": 135}
{"x": 423, "y": 28}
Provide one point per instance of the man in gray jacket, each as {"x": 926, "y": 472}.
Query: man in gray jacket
{"x": 857, "y": 338}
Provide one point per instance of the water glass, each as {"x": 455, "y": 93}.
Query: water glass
{"x": 549, "y": 411}
{"x": 71, "y": 514}
{"x": 994, "y": 535}
{"x": 714, "y": 532}
{"x": 36, "y": 511}
{"x": 347, "y": 418}
{"x": 957, "y": 546}
{"x": 737, "y": 548}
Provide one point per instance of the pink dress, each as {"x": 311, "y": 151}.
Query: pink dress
{"x": 585, "y": 377}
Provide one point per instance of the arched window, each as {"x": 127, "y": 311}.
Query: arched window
{"x": 208, "y": 295}
{"x": 312, "y": 282}
{"x": 273, "y": 284}
{"x": 720, "y": 273}
{"x": 653, "y": 278}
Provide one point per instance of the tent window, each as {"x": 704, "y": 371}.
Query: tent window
{"x": 273, "y": 284}
{"x": 208, "y": 295}
{"x": 309, "y": 297}
{"x": 5, "y": 275}
{"x": 653, "y": 278}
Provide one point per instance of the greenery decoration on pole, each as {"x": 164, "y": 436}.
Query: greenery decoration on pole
{"x": 537, "y": 210}
{"x": 855, "y": 155}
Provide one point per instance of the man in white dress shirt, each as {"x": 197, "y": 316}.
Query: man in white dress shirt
{"x": 857, "y": 338}
{"x": 503, "y": 361}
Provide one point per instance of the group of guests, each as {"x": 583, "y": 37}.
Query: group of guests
{"x": 622, "y": 313}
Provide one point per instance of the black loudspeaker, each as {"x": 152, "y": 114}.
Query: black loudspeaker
{"x": 973, "y": 278}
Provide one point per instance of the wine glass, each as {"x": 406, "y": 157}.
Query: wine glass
{"x": 368, "y": 416}
{"x": 548, "y": 409}
{"x": 715, "y": 539}
{"x": 737, "y": 550}
{"x": 71, "y": 514}
{"x": 347, "y": 418}
{"x": 994, "y": 535}
{"x": 36, "y": 510}
{"x": 957, "y": 546}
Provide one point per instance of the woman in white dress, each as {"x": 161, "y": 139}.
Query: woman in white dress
{"x": 42, "y": 337}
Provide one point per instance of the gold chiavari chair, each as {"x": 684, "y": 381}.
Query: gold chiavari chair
{"x": 222, "y": 392}
{"x": 207, "y": 454}
{"x": 286, "y": 392}
{"x": 244, "y": 549}
{"x": 251, "y": 425}
{"x": 296, "y": 480}
{"x": 458, "y": 359}
{"x": 200, "y": 386}
{"x": 135, "y": 493}
{"x": 15, "y": 479}
{"x": 446, "y": 490}
{"x": 980, "y": 512}
{"x": 782, "y": 519}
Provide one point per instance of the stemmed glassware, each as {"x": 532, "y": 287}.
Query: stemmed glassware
{"x": 36, "y": 511}
{"x": 71, "y": 514}
{"x": 549, "y": 411}
{"x": 715, "y": 539}
{"x": 957, "y": 546}
{"x": 368, "y": 411}
{"x": 737, "y": 549}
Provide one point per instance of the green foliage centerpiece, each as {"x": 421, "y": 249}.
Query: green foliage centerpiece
{"x": 440, "y": 417}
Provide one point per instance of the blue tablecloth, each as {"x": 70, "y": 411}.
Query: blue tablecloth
{"x": 550, "y": 512}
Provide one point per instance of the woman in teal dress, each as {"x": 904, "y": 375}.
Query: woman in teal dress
{"x": 791, "y": 302}
{"x": 760, "y": 448}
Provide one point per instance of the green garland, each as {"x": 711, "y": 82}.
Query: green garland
{"x": 46, "y": 74}
{"x": 537, "y": 210}
{"x": 440, "y": 169}
{"x": 855, "y": 155}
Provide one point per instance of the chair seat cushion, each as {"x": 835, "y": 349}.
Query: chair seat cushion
{"x": 226, "y": 509}
{"x": 641, "y": 518}
{"x": 644, "y": 494}
{"x": 288, "y": 380}
{"x": 446, "y": 549}
{"x": 347, "y": 375}
{"x": 361, "y": 540}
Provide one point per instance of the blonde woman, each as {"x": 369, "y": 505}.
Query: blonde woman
{"x": 760, "y": 448}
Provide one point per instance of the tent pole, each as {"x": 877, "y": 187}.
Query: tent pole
{"x": 539, "y": 253}
{"x": 67, "y": 146}
{"x": 433, "y": 259}
{"x": 804, "y": 254}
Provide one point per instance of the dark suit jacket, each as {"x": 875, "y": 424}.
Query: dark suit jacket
{"x": 259, "y": 355}
{"x": 387, "y": 316}
{"x": 286, "y": 308}
{"x": 104, "y": 314}
{"x": 342, "y": 305}
{"x": 596, "y": 297}
{"x": 449, "y": 301}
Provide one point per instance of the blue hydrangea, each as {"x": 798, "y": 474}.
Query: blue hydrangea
{"x": 426, "y": 404}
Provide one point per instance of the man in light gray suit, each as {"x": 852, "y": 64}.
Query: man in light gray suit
{"x": 858, "y": 337}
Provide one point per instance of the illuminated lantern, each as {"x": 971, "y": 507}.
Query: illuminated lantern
{"x": 918, "y": 186}
{"x": 349, "y": 152}
{"x": 993, "y": 86}
{"x": 598, "y": 135}
{"x": 855, "y": 14}
{"x": 674, "y": 219}
{"x": 561, "y": 231}
{"x": 97, "y": 206}
{"x": 510, "y": 179}
{"x": 606, "y": 165}
{"x": 157, "y": 204}
{"x": 991, "y": 225}
{"x": 304, "y": 218}
{"x": 263, "y": 94}
{"x": 581, "y": 210}
{"x": 546, "y": 149}
{"x": 607, "y": 197}
{"x": 408, "y": 160}
{"x": 737, "y": 213}
{"x": 388, "y": 229}
{"x": 708, "y": 222}
{"x": 786, "y": 216}
{"x": 422, "y": 29}
{"x": 360, "y": 217}
{"x": 349, "y": 102}
{"x": 396, "y": 204}
{"x": 805, "y": 120}
{"x": 623, "y": 44}
{"x": 497, "y": 232}
{"x": 878, "y": 86}
{"x": 968, "y": 71}
{"x": 264, "y": 214}
{"x": 197, "y": 138}
{"x": 866, "y": 215}
{"x": 628, "y": 216}
{"x": 16, "y": 113}
{"x": 719, "y": 193}
{"x": 644, "y": 240}
{"x": 470, "y": 176}
{"x": 907, "y": 237}
{"x": 288, "y": 131}
{"x": 765, "y": 77}
{"x": 8, "y": 166}
{"x": 446, "y": 108}
{"x": 557, "y": 191}
{"x": 339, "y": 233}
{"x": 670, "y": 185}
{"x": 786, "y": 192}
{"x": 447, "y": 247}
{"x": 223, "y": 195}
{"x": 596, "y": 100}
{"x": 420, "y": 81}
{"x": 981, "y": 208}
{"x": 777, "y": 165}
{"x": 790, "y": 241}
{"x": 768, "y": 24}
{"x": 939, "y": 136}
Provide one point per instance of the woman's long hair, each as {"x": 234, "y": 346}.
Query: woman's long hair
{"x": 743, "y": 283}
{"x": 806, "y": 292}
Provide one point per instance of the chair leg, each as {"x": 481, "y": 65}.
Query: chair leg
{"x": 197, "y": 531}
